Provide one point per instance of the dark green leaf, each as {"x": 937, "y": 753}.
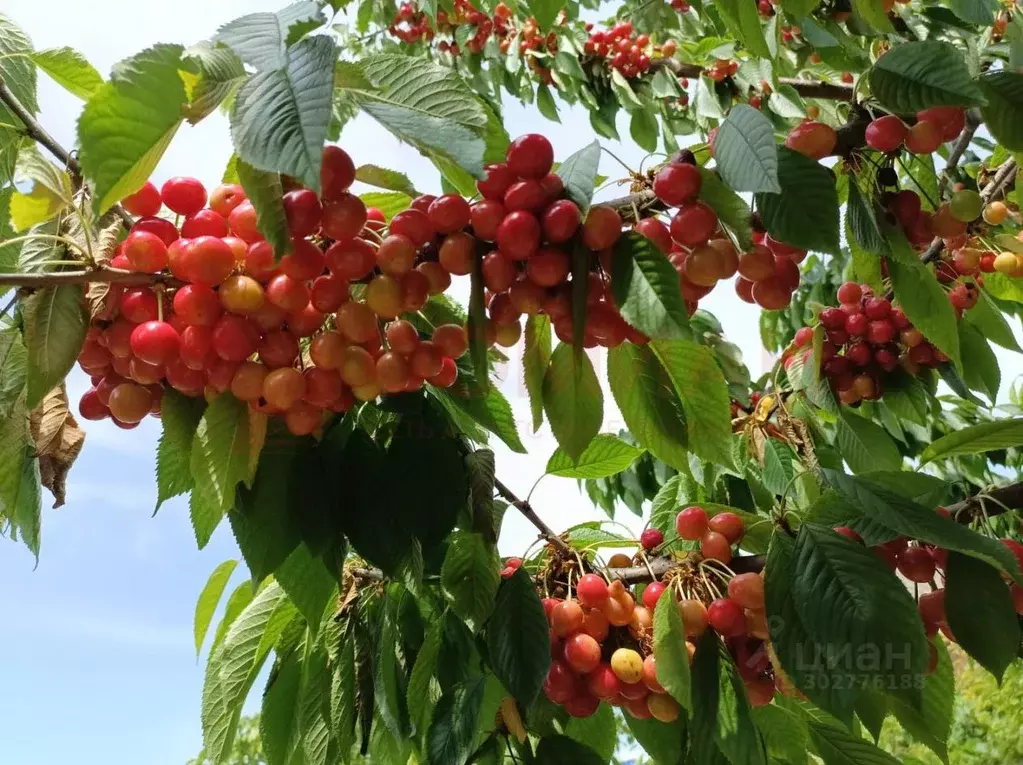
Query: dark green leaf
{"x": 976, "y": 439}
{"x": 932, "y": 722}
{"x": 670, "y": 650}
{"x": 579, "y": 174}
{"x": 745, "y": 151}
{"x": 1003, "y": 113}
{"x": 864, "y": 445}
{"x": 470, "y": 576}
{"x": 545, "y": 103}
{"x": 805, "y": 213}
{"x": 743, "y": 21}
{"x": 266, "y": 193}
{"x": 920, "y": 74}
{"x": 389, "y": 682}
{"x": 13, "y": 369}
{"x": 838, "y": 747}
{"x": 572, "y": 399}
{"x": 863, "y": 224}
{"x": 477, "y": 324}
{"x": 518, "y": 640}
{"x": 974, "y": 11}
{"x": 646, "y": 288}
{"x": 643, "y": 129}
{"x": 732, "y": 210}
{"x": 558, "y": 750}
{"x": 980, "y": 612}
{"x": 536, "y": 355}
{"x": 55, "y": 323}
{"x": 20, "y": 500}
{"x": 992, "y": 323}
{"x": 451, "y": 733}
{"x": 664, "y": 742}
{"x": 980, "y": 365}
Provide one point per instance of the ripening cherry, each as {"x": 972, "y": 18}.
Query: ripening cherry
{"x": 447, "y": 375}
{"x": 916, "y": 564}
{"x": 603, "y": 682}
{"x": 196, "y": 346}
{"x": 747, "y": 590}
{"x": 486, "y": 217}
{"x": 591, "y": 590}
{"x": 235, "y": 338}
{"x": 744, "y": 289}
{"x": 729, "y": 525}
{"x": 716, "y": 547}
{"x": 932, "y": 608}
{"x": 449, "y": 213}
{"x": 451, "y": 340}
{"x": 602, "y": 227}
{"x": 560, "y": 221}
{"x": 278, "y": 349}
{"x": 995, "y": 213}
{"x": 383, "y": 296}
{"x": 499, "y": 178}
{"x": 144, "y": 202}
{"x": 582, "y": 705}
{"x": 247, "y": 382}
{"x": 204, "y": 223}
{"x": 694, "y": 617}
{"x": 302, "y": 419}
{"x": 966, "y": 205}
{"x": 209, "y": 260}
{"x": 691, "y": 523}
{"x": 886, "y": 134}
{"x": 499, "y": 273}
{"x": 663, "y": 707}
{"x": 651, "y": 593}
{"x": 241, "y": 294}
{"x": 566, "y": 618}
{"x": 343, "y": 217}
{"x": 283, "y": 388}
{"x": 548, "y": 267}
{"x": 650, "y": 674}
{"x": 392, "y": 372}
{"x": 337, "y": 172}
{"x": 654, "y": 230}
{"x": 560, "y": 683}
{"x": 814, "y": 139}
{"x": 458, "y": 252}
{"x": 357, "y": 322}
{"x": 627, "y": 665}
{"x": 91, "y": 408}
{"x": 651, "y": 539}
{"x": 677, "y": 184}
{"x": 358, "y": 367}
{"x": 129, "y": 403}
{"x": 518, "y": 236}
{"x": 951, "y": 119}
{"x": 693, "y": 224}
{"x": 328, "y": 292}
{"x": 185, "y": 196}
{"x": 155, "y": 342}
{"x": 924, "y": 138}
{"x": 1016, "y": 549}
{"x": 756, "y": 265}
{"x": 289, "y": 295}
{"x": 145, "y": 252}
{"x": 726, "y": 617}
{"x": 849, "y": 293}
{"x": 415, "y": 225}
{"x": 530, "y": 156}
{"x": 225, "y": 197}
{"x": 243, "y": 222}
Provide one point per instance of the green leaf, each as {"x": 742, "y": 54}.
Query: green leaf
{"x": 517, "y": 639}
{"x": 744, "y": 22}
{"x": 850, "y": 601}
{"x": 645, "y": 285}
{"x": 838, "y": 747}
{"x": 220, "y": 74}
{"x": 219, "y": 461}
{"x": 16, "y": 68}
{"x": 976, "y": 439}
{"x": 262, "y": 39}
{"x": 732, "y": 210}
{"x": 69, "y": 69}
{"x": 280, "y": 116}
{"x": 864, "y": 445}
{"x": 389, "y": 203}
{"x": 670, "y": 653}
{"x": 344, "y": 694}
{"x": 545, "y": 103}
{"x": 649, "y": 405}
{"x": 235, "y": 663}
{"x": 579, "y": 174}
{"x": 974, "y": 11}
{"x": 980, "y": 365}
{"x": 598, "y": 732}
{"x": 20, "y": 500}
{"x": 778, "y": 470}
{"x": 921, "y": 74}
{"x": 266, "y": 193}
{"x": 476, "y": 327}
{"x": 785, "y": 733}
{"x": 745, "y": 151}
{"x": 605, "y": 455}
{"x": 925, "y": 304}
{"x": 567, "y": 63}
{"x": 453, "y": 728}
{"x": 703, "y": 391}
{"x": 805, "y": 213}
{"x": 488, "y": 408}
{"x": 572, "y": 400}
{"x": 862, "y": 225}
{"x": 179, "y": 416}
{"x": 278, "y": 717}
{"x": 980, "y": 613}
{"x": 129, "y": 122}
{"x": 55, "y": 323}
{"x": 237, "y": 602}
{"x": 932, "y": 722}
{"x": 308, "y": 583}
{"x": 420, "y": 697}
{"x": 209, "y": 598}
{"x": 911, "y": 519}
{"x": 992, "y": 324}
{"x": 13, "y": 370}
{"x": 1003, "y": 113}
{"x": 558, "y": 750}
{"x": 389, "y": 682}
{"x": 873, "y": 13}
{"x": 383, "y": 178}
{"x": 644, "y": 130}
{"x": 470, "y": 576}
{"x": 581, "y": 262}
{"x": 664, "y": 742}
{"x": 536, "y": 355}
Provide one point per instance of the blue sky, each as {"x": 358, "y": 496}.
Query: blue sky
{"x": 100, "y": 662}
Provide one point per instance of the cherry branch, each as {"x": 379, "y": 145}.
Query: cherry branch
{"x": 104, "y": 275}
{"x": 39, "y": 134}
{"x": 527, "y": 510}
{"x": 806, "y": 88}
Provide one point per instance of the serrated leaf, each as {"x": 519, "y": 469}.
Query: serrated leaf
{"x": 219, "y": 460}
{"x": 536, "y": 355}
{"x": 278, "y": 715}
{"x": 453, "y": 728}
{"x": 1003, "y": 112}
{"x": 55, "y": 324}
{"x": 545, "y": 103}
{"x": 69, "y": 69}
{"x": 235, "y": 663}
{"x": 992, "y": 323}
{"x": 864, "y": 445}
{"x": 980, "y": 365}
{"x": 976, "y": 439}
{"x": 239, "y": 599}
{"x": 557, "y": 750}
{"x": 265, "y": 191}
{"x": 645, "y": 286}
{"x": 572, "y": 399}
{"x": 838, "y": 747}
{"x": 420, "y": 695}
{"x": 975, "y": 11}
{"x": 805, "y": 213}
{"x": 664, "y": 742}
{"x": 921, "y": 74}
{"x": 648, "y": 403}
{"x": 383, "y": 178}
{"x": 862, "y": 223}
{"x": 703, "y": 391}
{"x": 644, "y": 129}
{"x": 778, "y": 469}
{"x": 280, "y": 117}
{"x": 745, "y": 151}
{"x": 470, "y": 577}
{"x": 731, "y": 209}
{"x": 389, "y": 203}
{"x": 488, "y": 408}
{"x": 129, "y": 122}
{"x": 598, "y": 732}
{"x": 209, "y": 598}
{"x": 518, "y": 640}
{"x": 605, "y": 455}
{"x": 221, "y": 72}
{"x": 20, "y": 500}
{"x": 980, "y": 613}
{"x": 873, "y": 13}
{"x": 308, "y": 583}
{"x": 932, "y": 722}
{"x": 13, "y": 370}
{"x": 670, "y": 653}
{"x": 579, "y": 174}
{"x": 179, "y": 416}
{"x": 262, "y": 39}
{"x": 744, "y": 22}
{"x": 476, "y": 326}
{"x": 389, "y": 681}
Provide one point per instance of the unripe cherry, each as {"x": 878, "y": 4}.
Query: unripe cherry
{"x": 747, "y": 590}
{"x": 728, "y": 525}
{"x": 627, "y": 664}
{"x": 694, "y": 617}
{"x": 715, "y": 547}
{"x": 582, "y": 653}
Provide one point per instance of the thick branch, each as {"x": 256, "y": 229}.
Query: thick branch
{"x": 806, "y": 88}
{"x": 103, "y": 275}
{"x": 39, "y": 134}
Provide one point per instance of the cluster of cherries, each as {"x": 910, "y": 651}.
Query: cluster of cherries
{"x": 410, "y": 24}
{"x": 625, "y": 52}
{"x": 465, "y": 12}
{"x": 865, "y": 339}
{"x": 287, "y": 337}
{"x": 932, "y": 128}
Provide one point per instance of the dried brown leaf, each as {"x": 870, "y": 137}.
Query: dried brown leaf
{"x": 58, "y": 441}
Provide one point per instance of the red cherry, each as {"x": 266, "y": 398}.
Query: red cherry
{"x": 204, "y": 223}
{"x": 561, "y": 220}
{"x": 582, "y": 653}
{"x": 209, "y": 260}
{"x": 244, "y": 222}
{"x": 603, "y": 682}
{"x": 848, "y": 533}
{"x": 691, "y": 523}
{"x": 343, "y": 217}
{"x": 302, "y": 209}
{"x": 235, "y": 338}
{"x": 530, "y": 156}
{"x": 225, "y": 197}
{"x": 850, "y": 292}
{"x": 932, "y": 608}
{"x": 1016, "y": 549}
{"x": 814, "y": 139}
{"x": 305, "y": 262}
{"x": 591, "y": 590}
{"x": 583, "y": 705}
{"x": 449, "y": 213}
{"x": 162, "y": 228}
{"x": 144, "y": 202}
{"x": 518, "y": 236}
{"x": 155, "y": 342}
{"x": 524, "y": 195}
{"x": 880, "y": 332}
{"x": 145, "y": 252}
{"x": 715, "y": 546}
{"x": 185, "y": 196}
{"x": 499, "y": 178}
{"x": 139, "y": 304}
{"x": 415, "y": 225}
{"x": 656, "y": 232}
{"x": 677, "y": 184}
{"x": 337, "y": 172}
{"x": 652, "y": 593}
{"x": 90, "y": 406}
{"x": 651, "y": 538}
{"x": 726, "y": 617}
{"x": 916, "y": 564}
{"x": 693, "y": 224}
{"x": 952, "y": 120}
{"x": 729, "y": 525}
{"x": 747, "y": 590}
{"x": 886, "y": 133}
{"x": 566, "y": 618}
{"x": 560, "y": 684}
{"x": 486, "y": 217}
{"x": 602, "y": 227}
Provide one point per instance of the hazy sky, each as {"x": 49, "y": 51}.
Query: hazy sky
{"x": 100, "y": 666}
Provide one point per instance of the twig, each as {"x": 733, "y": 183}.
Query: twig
{"x": 973, "y": 121}
{"x": 102, "y": 275}
{"x": 806, "y": 88}
{"x": 10, "y": 304}
{"x": 527, "y": 510}
{"x": 39, "y": 134}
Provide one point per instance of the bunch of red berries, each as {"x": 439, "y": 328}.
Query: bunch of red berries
{"x": 932, "y": 128}
{"x": 532, "y": 227}
{"x": 680, "y": 6}
{"x": 237, "y": 319}
{"x": 628, "y": 54}
{"x": 411, "y": 25}
{"x": 722, "y": 68}
{"x": 866, "y": 339}
{"x": 465, "y": 12}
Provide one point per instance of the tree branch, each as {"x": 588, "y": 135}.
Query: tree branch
{"x": 527, "y": 510}
{"x": 806, "y": 88}
{"x": 39, "y": 134}
{"x": 102, "y": 275}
